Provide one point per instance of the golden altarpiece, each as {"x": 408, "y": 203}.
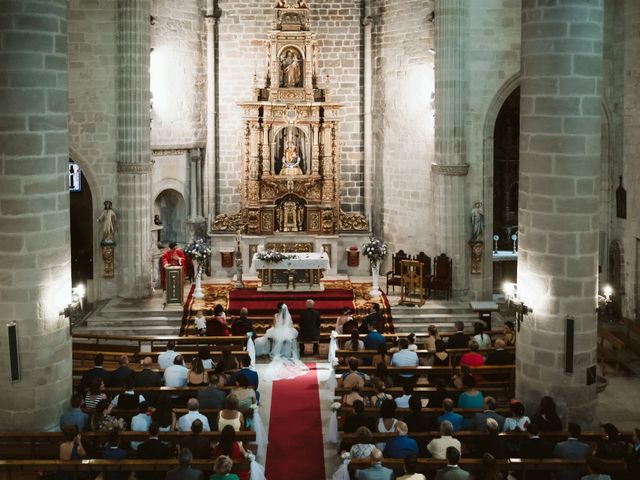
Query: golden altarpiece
{"x": 291, "y": 151}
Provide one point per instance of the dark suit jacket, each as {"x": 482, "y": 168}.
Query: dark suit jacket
{"x": 148, "y": 378}
{"x": 421, "y": 422}
{"x": 241, "y": 326}
{"x": 353, "y": 422}
{"x": 371, "y": 319}
{"x": 571, "y": 449}
{"x": 211, "y": 397}
{"x": 120, "y": 376}
{"x": 536, "y": 448}
{"x": 452, "y": 473}
{"x": 458, "y": 340}
{"x": 87, "y": 376}
{"x": 310, "y": 325}
{"x": 182, "y": 473}
{"x": 480, "y": 420}
{"x": 152, "y": 449}
{"x": 200, "y": 446}
{"x": 500, "y": 357}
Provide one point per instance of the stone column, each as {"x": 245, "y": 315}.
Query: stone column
{"x": 211, "y": 156}
{"x": 35, "y": 258}
{"x": 450, "y": 168}
{"x": 368, "y": 126}
{"x": 133, "y": 262}
{"x": 560, "y": 129}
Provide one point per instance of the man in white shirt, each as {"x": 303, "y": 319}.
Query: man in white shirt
{"x": 438, "y": 446}
{"x": 176, "y": 374}
{"x": 403, "y": 400}
{"x": 140, "y": 422}
{"x": 404, "y": 358}
{"x": 185, "y": 421}
{"x": 165, "y": 359}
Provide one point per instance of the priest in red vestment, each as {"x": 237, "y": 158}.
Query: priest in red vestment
{"x": 174, "y": 257}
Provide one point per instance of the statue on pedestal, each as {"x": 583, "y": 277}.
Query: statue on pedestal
{"x": 291, "y": 69}
{"x": 290, "y": 159}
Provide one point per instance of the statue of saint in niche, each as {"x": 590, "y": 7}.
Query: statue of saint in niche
{"x": 290, "y": 158}
{"x": 291, "y": 68}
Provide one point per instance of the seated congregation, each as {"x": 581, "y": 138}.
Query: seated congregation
{"x": 423, "y": 407}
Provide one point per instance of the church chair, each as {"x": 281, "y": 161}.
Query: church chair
{"x": 442, "y": 278}
{"x": 394, "y": 277}
{"x": 425, "y": 260}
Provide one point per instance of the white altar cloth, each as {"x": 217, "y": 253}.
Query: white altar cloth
{"x": 298, "y": 261}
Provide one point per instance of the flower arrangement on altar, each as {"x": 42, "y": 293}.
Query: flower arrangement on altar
{"x": 375, "y": 250}
{"x": 198, "y": 251}
{"x": 272, "y": 256}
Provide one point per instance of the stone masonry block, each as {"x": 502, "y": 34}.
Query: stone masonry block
{"x": 562, "y": 243}
{"x": 570, "y": 164}
{"x": 557, "y": 144}
{"x": 576, "y": 205}
{"x": 587, "y": 65}
{"x": 541, "y": 124}
{"x": 557, "y": 106}
{"x": 536, "y": 30}
{"x": 589, "y": 30}
{"x": 14, "y": 144}
{"x": 578, "y": 86}
{"x": 581, "y": 267}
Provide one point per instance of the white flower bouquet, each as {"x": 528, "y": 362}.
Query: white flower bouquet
{"x": 345, "y": 456}
{"x": 336, "y": 406}
{"x": 272, "y": 256}
{"x": 198, "y": 251}
{"x": 375, "y": 250}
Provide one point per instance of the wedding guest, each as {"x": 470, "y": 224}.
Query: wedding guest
{"x": 374, "y": 318}
{"x": 128, "y": 399}
{"x": 410, "y": 467}
{"x": 185, "y": 421}
{"x": 343, "y": 318}
{"x": 374, "y": 338}
{"x": 518, "y": 420}
{"x": 380, "y": 395}
{"x": 440, "y": 358}
{"x": 217, "y": 325}
{"x": 376, "y": 471}
{"x": 609, "y": 446}
{"x": 103, "y": 421}
{"x": 404, "y": 358}
{"x": 176, "y": 375}
{"x": 480, "y": 419}
{"x": 197, "y": 376}
{"x": 242, "y": 325}
{"x": 165, "y": 359}
{"x": 459, "y": 339}
{"x": 416, "y": 420}
{"x": 213, "y": 395}
{"x": 387, "y": 421}
{"x": 452, "y": 471}
{"x": 363, "y": 446}
{"x": 148, "y": 378}
{"x": 200, "y": 323}
{"x": 244, "y": 392}
{"x": 354, "y": 344}
{"x": 534, "y": 446}
{"x": 411, "y": 338}
{"x": 434, "y": 335}
{"x": 489, "y": 469}
{"x": 120, "y": 376}
{"x": 230, "y": 447}
{"x": 310, "y": 328}
{"x": 455, "y": 419}
{"x": 596, "y": 467}
{"x": 494, "y": 444}
{"x": 382, "y": 374}
{"x": 205, "y": 356}
{"x": 75, "y": 415}
{"x": 354, "y": 395}
{"x": 71, "y": 448}
{"x": 407, "y": 394}
{"x": 222, "y": 469}
{"x": 546, "y": 417}
{"x": 199, "y": 445}
{"x": 353, "y": 376}
{"x": 357, "y": 418}
{"x": 115, "y": 452}
{"x": 571, "y": 449}
{"x": 153, "y": 449}
{"x": 230, "y": 415}
{"x": 401, "y": 445}
{"x": 140, "y": 422}
{"x": 472, "y": 358}
{"x": 483, "y": 340}
{"x": 438, "y": 446}
{"x": 227, "y": 361}
{"x": 96, "y": 371}
{"x": 164, "y": 415}
{"x": 509, "y": 333}
{"x": 95, "y": 395}
{"x": 184, "y": 471}
{"x": 471, "y": 397}
{"x": 382, "y": 355}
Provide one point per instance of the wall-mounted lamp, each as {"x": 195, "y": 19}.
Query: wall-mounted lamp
{"x": 513, "y": 303}
{"x": 607, "y": 292}
{"x": 75, "y": 310}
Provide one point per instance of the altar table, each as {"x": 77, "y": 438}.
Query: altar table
{"x": 301, "y": 273}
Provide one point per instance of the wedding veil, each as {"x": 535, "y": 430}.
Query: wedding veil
{"x": 285, "y": 358}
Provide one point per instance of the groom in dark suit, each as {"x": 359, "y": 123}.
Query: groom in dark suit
{"x": 310, "y": 328}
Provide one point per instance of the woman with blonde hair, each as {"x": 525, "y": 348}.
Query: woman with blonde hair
{"x": 223, "y": 467}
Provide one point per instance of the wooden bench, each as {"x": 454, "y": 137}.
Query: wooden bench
{"x": 421, "y": 353}
{"x": 524, "y": 468}
{"x": 615, "y": 354}
{"x": 419, "y": 391}
{"x": 45, "y": 444}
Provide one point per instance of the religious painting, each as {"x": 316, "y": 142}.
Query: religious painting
{"x": 291, "y": 68}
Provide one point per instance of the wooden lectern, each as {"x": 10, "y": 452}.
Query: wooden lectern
{"x": 173, "y": 282}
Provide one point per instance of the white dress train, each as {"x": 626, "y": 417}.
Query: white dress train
{"x": 285, "y": 358}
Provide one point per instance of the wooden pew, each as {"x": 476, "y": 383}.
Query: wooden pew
{"x": 421, "y": 353}
{"x": 45, "y": 444}
{"x": 615, "y": 355}
{"x": 420, "y": 391}
{"x": 524, "y": 468}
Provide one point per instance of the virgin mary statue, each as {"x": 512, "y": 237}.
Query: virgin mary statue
{"x": 280, "y": 342}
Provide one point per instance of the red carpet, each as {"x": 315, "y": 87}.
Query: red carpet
{"x": 329, "y": 303}
{"x": 296, "y": 449}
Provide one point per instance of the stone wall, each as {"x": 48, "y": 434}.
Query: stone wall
{"x": 35, "y": 263}
{"x": 178, "y": 76}
{"x": 493, "y": 63}
{"x": 242, "y": 28}
{"x": 631, "y": 153}
{"x": 92, "y": 110}
{"x": 403, "y": 123}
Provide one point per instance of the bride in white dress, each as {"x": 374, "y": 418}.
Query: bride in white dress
{"x": 280, "y": 343}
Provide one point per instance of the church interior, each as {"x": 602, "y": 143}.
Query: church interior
{"x": 440, "y": 192}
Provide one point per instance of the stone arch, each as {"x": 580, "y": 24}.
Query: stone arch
{"x": 97, "y": 200}
{"x": 491, "y": 116}
{"x": 170, "y": 204}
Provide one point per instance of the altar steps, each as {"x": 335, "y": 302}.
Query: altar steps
{"x": 442, "y": 314}
{"x": 121, "y": 316}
